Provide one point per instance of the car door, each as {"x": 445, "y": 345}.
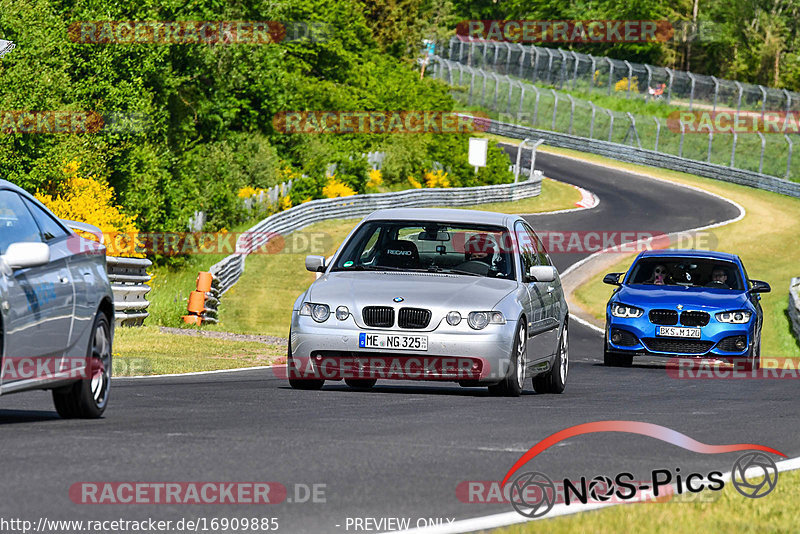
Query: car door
{"x": 554, "y": 290}
{"x": 37, "y": 303}
{"x": 539, "y": 300}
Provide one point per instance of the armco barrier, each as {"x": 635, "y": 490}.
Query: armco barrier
{"x": 231, "y": 268}
{"x": 128, "y": 277}
{"x": 794, "y": 306}
{"x": 648, "y": 157}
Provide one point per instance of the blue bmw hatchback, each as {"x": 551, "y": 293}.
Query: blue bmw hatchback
{"x": 685, "y": 303}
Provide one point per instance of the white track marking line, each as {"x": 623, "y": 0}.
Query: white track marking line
{"x": 198, "y": 373}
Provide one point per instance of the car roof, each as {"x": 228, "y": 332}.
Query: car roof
{"x": 690, "y": 253}
{"x": 443, "y": 215}
{"x": 5, "y": 184}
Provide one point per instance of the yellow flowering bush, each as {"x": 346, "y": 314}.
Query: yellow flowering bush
{"x": 375, "y": 179}
{"x": 414, "y": 182}
{"x": 247, "y": 192}
{"x": 622, "y": 85}
{"x": 436, "y": 179}
{"x": 335, "y": 188}
{"x": 88, "y": 200}
{"x": 285, "y": 203}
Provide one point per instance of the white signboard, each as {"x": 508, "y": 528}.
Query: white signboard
{"x": 478, "y": 147}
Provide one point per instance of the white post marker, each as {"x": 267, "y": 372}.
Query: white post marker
{"x": 6, "y": 47}
{"x": 478, "y": 147}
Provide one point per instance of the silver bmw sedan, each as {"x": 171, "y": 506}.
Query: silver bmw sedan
{"x": 433, "y": 294}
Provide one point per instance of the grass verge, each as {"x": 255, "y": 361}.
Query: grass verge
{"x": 765, "y": 239}
{"x": 261, "y": 301}
{"x": 730, "y": 513}
{"x": 148, "y": 351}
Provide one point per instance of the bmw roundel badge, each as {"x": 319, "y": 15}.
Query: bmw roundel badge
{"x": 398, "y": 299}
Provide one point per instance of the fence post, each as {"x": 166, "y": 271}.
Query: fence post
{"x": 594, "y": 68}
{"x": 649, "y": 80}
{"x": 522, "y": 62}
{"x": 555, "y": 109}
{"x": 510, "y": 91}
{"x": 788, "y": 100}
{"x": 535, "y": 59}
{"x": 571, "y": 112}
{"x": 733, "y": 147}
{"x": 496, "y": 88}
{"x": 691, "y": 94}
{"x": 610, "y": 74}
{"x": 630, "y": 79}
{"x": 533, "y": 157}
{"x": 471, "y": 85}
{"x": 739, "y": 101}
{"x": 763, "y": 146}
{"x": 763, "y": 101}
{"x": 591, "y": 121}
{"x": 658, "y": 132}
{"x": 535, "y": 105}
{"x": 483, "y": 87}
{"x": 549, "y": 66}
{"x": 671, "y": 75}
{"x": 496, "y": 53}
{"x": 789, "y": 155}
{"x": 633, "y": 127}
{"x": 452, "y": 46}
{"x": 563, "y": 76}
{"x": 610, "y": 124}
{"x": 680, "y": 146}
{"x": 575, "y": 70}
{"x": 716, "y": 93}
{"x": 710, "y": 140}
{"x": 519, "y": 159}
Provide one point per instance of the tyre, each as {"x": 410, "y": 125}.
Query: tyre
{"x": 511, "y": 385}
{"x": 360, "y": 383}
{"x": 555, "y": 380}
{"x": 751, "y": 362}
{"x": 88, "y": 397}
{"x": 299, "y": 382}
{"x": 615, "y": 359}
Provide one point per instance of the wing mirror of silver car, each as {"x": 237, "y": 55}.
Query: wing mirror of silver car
{"x": 612, "y": 279}
{"x": 23, "y": 255}
{"x": 759, "y": 287}
{"x": 541, "y": 273}
{"x": 316, "y": 264}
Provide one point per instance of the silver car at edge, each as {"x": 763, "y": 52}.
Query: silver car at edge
{"x": 433, "y": 294}
{"x": 56, "y": 308}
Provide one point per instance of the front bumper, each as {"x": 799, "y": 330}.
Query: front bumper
{"x": 330, "y": 351}
{"x": 638, "y": 336}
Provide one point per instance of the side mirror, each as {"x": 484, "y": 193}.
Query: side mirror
{"x": 612, "y": 279}
{"x": 759, "y": 287}
{"x": 315, "y": 264}
{"x": 542, "y": 273}
{"x": 23, "y": 255}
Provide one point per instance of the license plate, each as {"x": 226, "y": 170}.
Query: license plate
{"x": 392, "y": 341}
{"x": 678, "y": 331}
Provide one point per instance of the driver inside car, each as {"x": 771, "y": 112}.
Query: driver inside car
{"x": 719, "y": 277}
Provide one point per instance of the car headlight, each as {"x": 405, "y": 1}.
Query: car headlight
{"x": 318, "y": 312}
{"x": 453, "y": 318}
{"x": 626, "y": 312}
{"x": 478, "y": 320}
{"x": 735, "y": 317}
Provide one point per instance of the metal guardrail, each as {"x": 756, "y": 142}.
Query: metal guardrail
{"x": 644, "y": 156}
{"x": 128, "y": 277}
{"x": 794, "y": 306}
{"x": 229, "y": 270}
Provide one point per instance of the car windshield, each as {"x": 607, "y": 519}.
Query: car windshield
{"x": 463, "y": 249}
{"x": 689, "y": 272}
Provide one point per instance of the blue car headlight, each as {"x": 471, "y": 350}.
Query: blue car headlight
{"x": 735, "y": 317}
{"x": 626, "y": 312}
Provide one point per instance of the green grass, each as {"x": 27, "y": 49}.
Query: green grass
{"x": 261, "y": 301}
{"x": 731, "y": 512}
{"x": 766, "y": 240}
{"x": 148, "y": 351}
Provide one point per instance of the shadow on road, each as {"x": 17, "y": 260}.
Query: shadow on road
{"x": 414, "y": 390}
{"x": 8, "y": 417}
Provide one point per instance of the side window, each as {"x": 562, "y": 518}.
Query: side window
{"x": 47, "y": 224}
{"x": 541, "y": 253}
{"x": 527, "y": 248}
{"x": 16, "y": 222}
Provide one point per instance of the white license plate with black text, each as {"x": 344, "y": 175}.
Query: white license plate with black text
{"x": 392, "y": 341}
{"x": 678, "y": 331}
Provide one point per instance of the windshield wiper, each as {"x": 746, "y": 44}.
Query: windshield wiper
{"x": 437, "y": 269}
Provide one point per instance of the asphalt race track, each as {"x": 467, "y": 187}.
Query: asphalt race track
{"x": 402, "y": 449}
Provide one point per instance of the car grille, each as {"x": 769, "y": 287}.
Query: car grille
{"x": 694, "y": 318}
{"x": 677, "y": 346}
{"x": 663, "y": 317}
{"x": 624, "y": 338}
{"x": 728, "y": 344}
{"x": 413, "y": 318}
{"x": 382, "y": 316}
